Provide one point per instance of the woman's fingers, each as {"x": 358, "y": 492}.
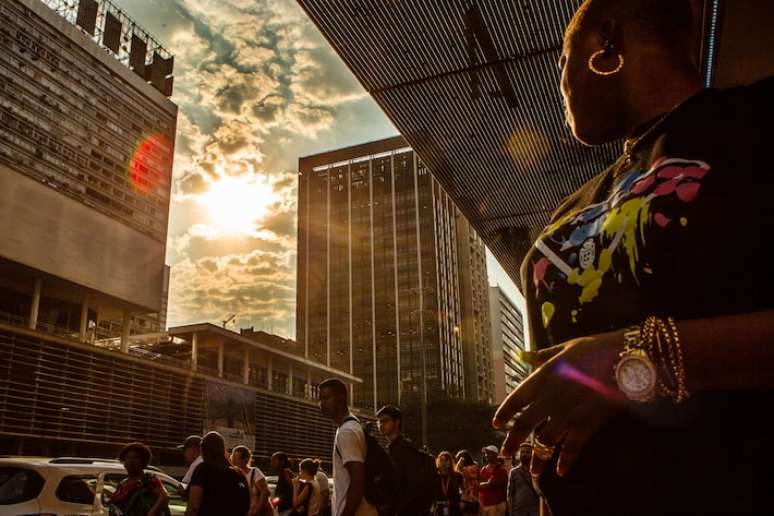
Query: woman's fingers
{"x": 536, "y": 384}
{"x": 541, "y": 356}
{"x": 560, "y": 425}
{"x": 583, "y": 428}
{"x": 524, "y": 423}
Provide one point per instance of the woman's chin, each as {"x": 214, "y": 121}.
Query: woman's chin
{"x": 591, "y": 137}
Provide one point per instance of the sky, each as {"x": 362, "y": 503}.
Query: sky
{"x": 258, "y": 87}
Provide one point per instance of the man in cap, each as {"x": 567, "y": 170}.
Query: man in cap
{"x": 493, "y": 484}
{"x": 193, "y": 457}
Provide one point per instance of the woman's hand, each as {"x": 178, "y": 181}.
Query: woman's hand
{"x": 570, "y": 395}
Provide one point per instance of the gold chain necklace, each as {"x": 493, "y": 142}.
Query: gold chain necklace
{"x": 631, "y": 143}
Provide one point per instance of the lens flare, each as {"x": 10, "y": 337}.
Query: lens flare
{"x": 147, "y": 169}
{"x": 567, "y": 371}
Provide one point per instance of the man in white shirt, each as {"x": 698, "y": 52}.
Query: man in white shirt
{"x": 349, "y": 452}
{"x": 193, "y": 457}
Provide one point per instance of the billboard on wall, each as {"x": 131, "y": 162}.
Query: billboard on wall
{"x": 230, "y": 410}
{"x": 61, "y": 236}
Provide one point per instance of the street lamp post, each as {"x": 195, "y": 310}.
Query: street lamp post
{"x": 423, "y": 403}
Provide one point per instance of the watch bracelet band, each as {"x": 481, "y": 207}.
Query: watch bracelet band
{"x": 660, "y": 341}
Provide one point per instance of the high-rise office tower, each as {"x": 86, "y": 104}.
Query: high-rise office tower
{"x": 507, "y": 341}
{"x": 474, "y": 307}
{"x": 391, "y": 278}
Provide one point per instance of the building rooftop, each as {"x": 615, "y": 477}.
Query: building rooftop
{"x": 207, "y": 332}
{"x": 114, "y": 31}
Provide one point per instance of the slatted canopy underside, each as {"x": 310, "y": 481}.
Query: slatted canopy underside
{"x": 473, "y": 87}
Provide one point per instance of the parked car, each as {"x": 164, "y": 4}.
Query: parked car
{"x": 68, "y": 485}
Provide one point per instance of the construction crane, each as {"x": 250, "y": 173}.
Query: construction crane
{"x": 233, "y": 316}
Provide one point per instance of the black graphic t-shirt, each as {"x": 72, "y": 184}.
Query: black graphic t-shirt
{"x": 685, "y": 230}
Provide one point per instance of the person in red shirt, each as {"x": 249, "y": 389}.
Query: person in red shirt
{"x": 493, "y": 484}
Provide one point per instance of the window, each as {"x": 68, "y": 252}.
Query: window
{"x": 18, "y": 485}
{"x": 77, "y": 489}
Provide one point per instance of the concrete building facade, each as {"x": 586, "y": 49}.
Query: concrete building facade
{"x": 86, "y": 145}
{"x": 507, "y": 330}
{"x": 389, "y": 276}
{"x": 86, "y": 151}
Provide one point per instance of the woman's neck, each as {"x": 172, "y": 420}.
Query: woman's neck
{"x": 650, "y": 100}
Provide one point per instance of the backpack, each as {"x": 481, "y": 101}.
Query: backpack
{"x": 381, "y": 480}
{"x": 427, "y": 476}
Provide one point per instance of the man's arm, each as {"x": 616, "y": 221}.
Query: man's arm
{"x": 354, "y": 496}
{"x": 262, "y": 490}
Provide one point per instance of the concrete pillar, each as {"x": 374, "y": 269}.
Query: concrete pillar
{"x": 125, "y": 327}
{"x": 194, "y": 351}
{"x": 84, "y": 319}
{"x": 246, "y": 366}
{"x": 221, "y": 353}
{"x": 269, "y": 373}
{"x": 290, "y": 379}
{"x": 35, "y": 305}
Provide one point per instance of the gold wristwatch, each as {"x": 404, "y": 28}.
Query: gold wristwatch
{"x": 635, "y": 372}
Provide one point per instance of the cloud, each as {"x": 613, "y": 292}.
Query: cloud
{"x": 259, "y": 287}
{"x": 281, "y": 223}
{"x": 257, "y": 87}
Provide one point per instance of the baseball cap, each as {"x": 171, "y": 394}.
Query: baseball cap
{"x": 390, "y": 411}
{"x": 191, "y": 440}
{"x": 491, "y": 448}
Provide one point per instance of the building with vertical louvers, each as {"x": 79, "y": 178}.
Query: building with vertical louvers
{"x": 384, "y": 276}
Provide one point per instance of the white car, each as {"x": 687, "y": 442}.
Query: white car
{"x": 72, "y": 486}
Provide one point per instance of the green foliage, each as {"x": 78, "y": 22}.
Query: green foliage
{"x": 453, "y": 424}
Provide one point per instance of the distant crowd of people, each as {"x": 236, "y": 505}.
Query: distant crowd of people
{"x": 403, "y": 480}
{"x": 222, "y": 483}
{"x": 369, "y": 479}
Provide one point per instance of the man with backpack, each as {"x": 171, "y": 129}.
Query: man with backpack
{"x": 522, "y": 498}
{"x": 350, "y": 451}
{"x": 416, "y": 470}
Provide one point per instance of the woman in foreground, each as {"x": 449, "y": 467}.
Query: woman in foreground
{"x": 650, "y": 294}
{"x": 140, "y": 493}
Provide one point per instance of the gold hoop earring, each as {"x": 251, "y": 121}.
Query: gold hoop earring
{"x": 602, "y": 72}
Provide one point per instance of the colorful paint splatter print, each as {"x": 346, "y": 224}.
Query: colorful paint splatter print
{"x": 585, "y": 248}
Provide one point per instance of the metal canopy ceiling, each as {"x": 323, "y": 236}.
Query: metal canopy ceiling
{"x": 473, "y": 87}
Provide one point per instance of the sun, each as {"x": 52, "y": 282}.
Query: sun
{"x": 235, "y": 204}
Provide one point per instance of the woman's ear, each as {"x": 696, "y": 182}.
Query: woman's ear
{"x": 608, "y": 35}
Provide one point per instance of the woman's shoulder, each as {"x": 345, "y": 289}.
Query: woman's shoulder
{"x": 760, "y": 90}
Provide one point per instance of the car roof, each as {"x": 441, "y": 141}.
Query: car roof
{"x": 70, "y": 463}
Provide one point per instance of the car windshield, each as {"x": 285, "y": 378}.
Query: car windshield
{"x": 19, "y": 485}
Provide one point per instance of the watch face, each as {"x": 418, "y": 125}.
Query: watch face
{"x": 636, "y": 377}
